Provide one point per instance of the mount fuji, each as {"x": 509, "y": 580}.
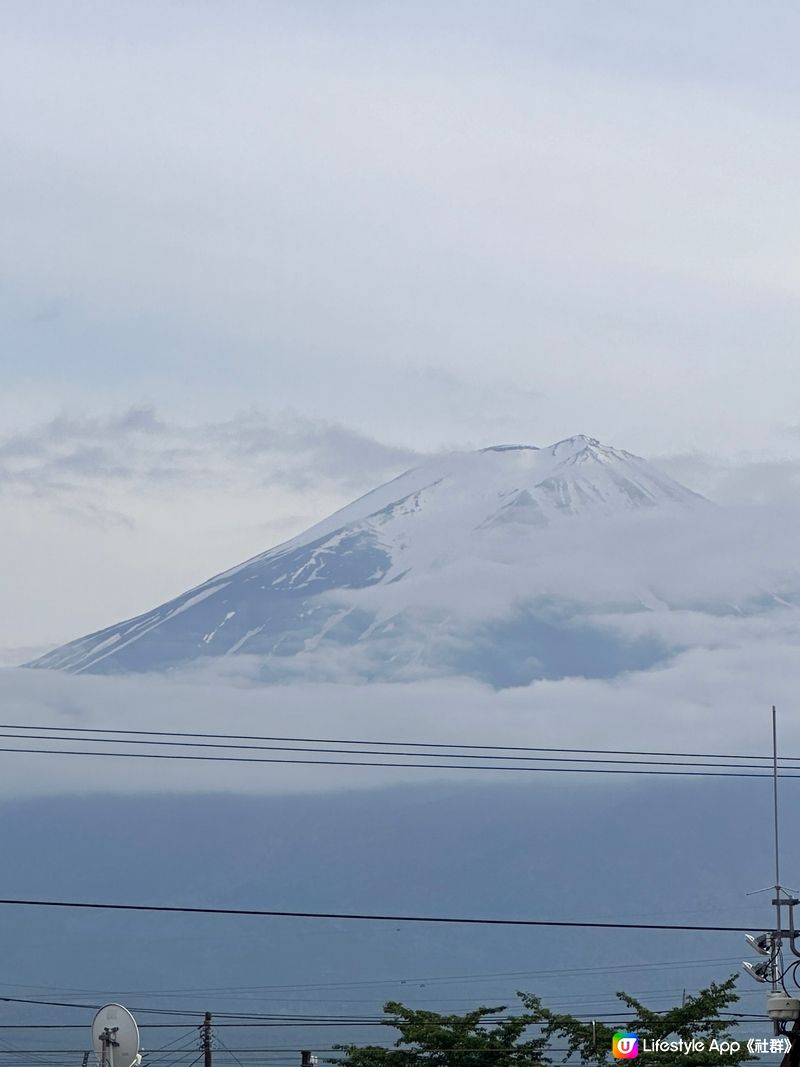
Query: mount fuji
{"x": 503, "y": 564}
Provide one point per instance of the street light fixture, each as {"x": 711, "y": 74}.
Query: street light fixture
{"x": 759, "y": 971}
{"x": 761, "y": 944}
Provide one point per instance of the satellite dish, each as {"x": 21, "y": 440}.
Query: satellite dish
{"x": 115, "y": 1037}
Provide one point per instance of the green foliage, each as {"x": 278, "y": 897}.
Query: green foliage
{"x": 697, "y": 1019}
{"x": 428, "y": 1039}
{"x": 537, "y": 1035}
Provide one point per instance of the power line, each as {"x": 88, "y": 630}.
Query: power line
{"x": 300, "y": 1020}
{"x": 192, "y": 1039}
{"x": 477, "y": 996}
{"x": 557, "y": 999}
{"x": 231, "y": 1051}
{"x": 365, "y": 917}
{"x": 407, "y": 766}
{"x": 375, "y": 751}
{"x": 394, "y": 744}
{"x": 691, "y": 762}
{"x": 407, "y": 980}
{"x": 164, "y": 1048}
{"x": 186, "y": 1057}
{"x": 255, "y": 1020}
{"x": 11, "y": 1050}
{"x": 628, "y": 761}
{"x": 623, "y": 758}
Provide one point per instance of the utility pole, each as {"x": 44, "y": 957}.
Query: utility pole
{"x": 205, "y": 1040}
{"x": 792, "y": 1057}
{"x": 782, "y": 1008}
{"x": 778, "y": 887}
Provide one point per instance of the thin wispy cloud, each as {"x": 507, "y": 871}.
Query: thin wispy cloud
{"x": 76, "y": 460}
{"x": 740, "y": 481}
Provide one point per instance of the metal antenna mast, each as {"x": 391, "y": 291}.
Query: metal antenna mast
{"x": 782, "y": 1008}
{"x": 778, "y": 888}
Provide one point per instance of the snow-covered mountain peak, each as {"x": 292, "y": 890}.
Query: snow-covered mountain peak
{"x": 493, "y": 507}
{"x": 607, "y": 480}
{"x": 579, "y": 443}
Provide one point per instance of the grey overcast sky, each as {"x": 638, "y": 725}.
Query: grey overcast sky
{"x": 257, "y": 256}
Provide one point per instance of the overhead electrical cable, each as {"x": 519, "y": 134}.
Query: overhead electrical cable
{"x": 360, "y": 916}
{"x": 406, "y": 980}
{"x": 407, "y": 766}
{"x": 231, "y": 1052}
{"x": 188, "y": 1038}
{"x": 693, "y": 761}
{"x": 394, "y": 744}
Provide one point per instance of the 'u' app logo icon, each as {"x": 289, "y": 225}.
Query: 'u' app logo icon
{"x": 625, "y": 1046}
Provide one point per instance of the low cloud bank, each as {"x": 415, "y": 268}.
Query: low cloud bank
{"x": 706, "y": 699}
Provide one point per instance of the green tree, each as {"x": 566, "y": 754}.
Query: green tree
{"x": 538, "y": 1036}
{"x": 697, "y": 1019}
{"x": 428, "y": 1039}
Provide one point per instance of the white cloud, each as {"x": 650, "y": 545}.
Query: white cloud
{"x": 425, "y": 224}
{"x": 109, "y": 514}
{"x": 747, "y": 479}
{"x": 69, "y": 456}
{"x": 707, "y": 700}
{"x": 322, "y": 210}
